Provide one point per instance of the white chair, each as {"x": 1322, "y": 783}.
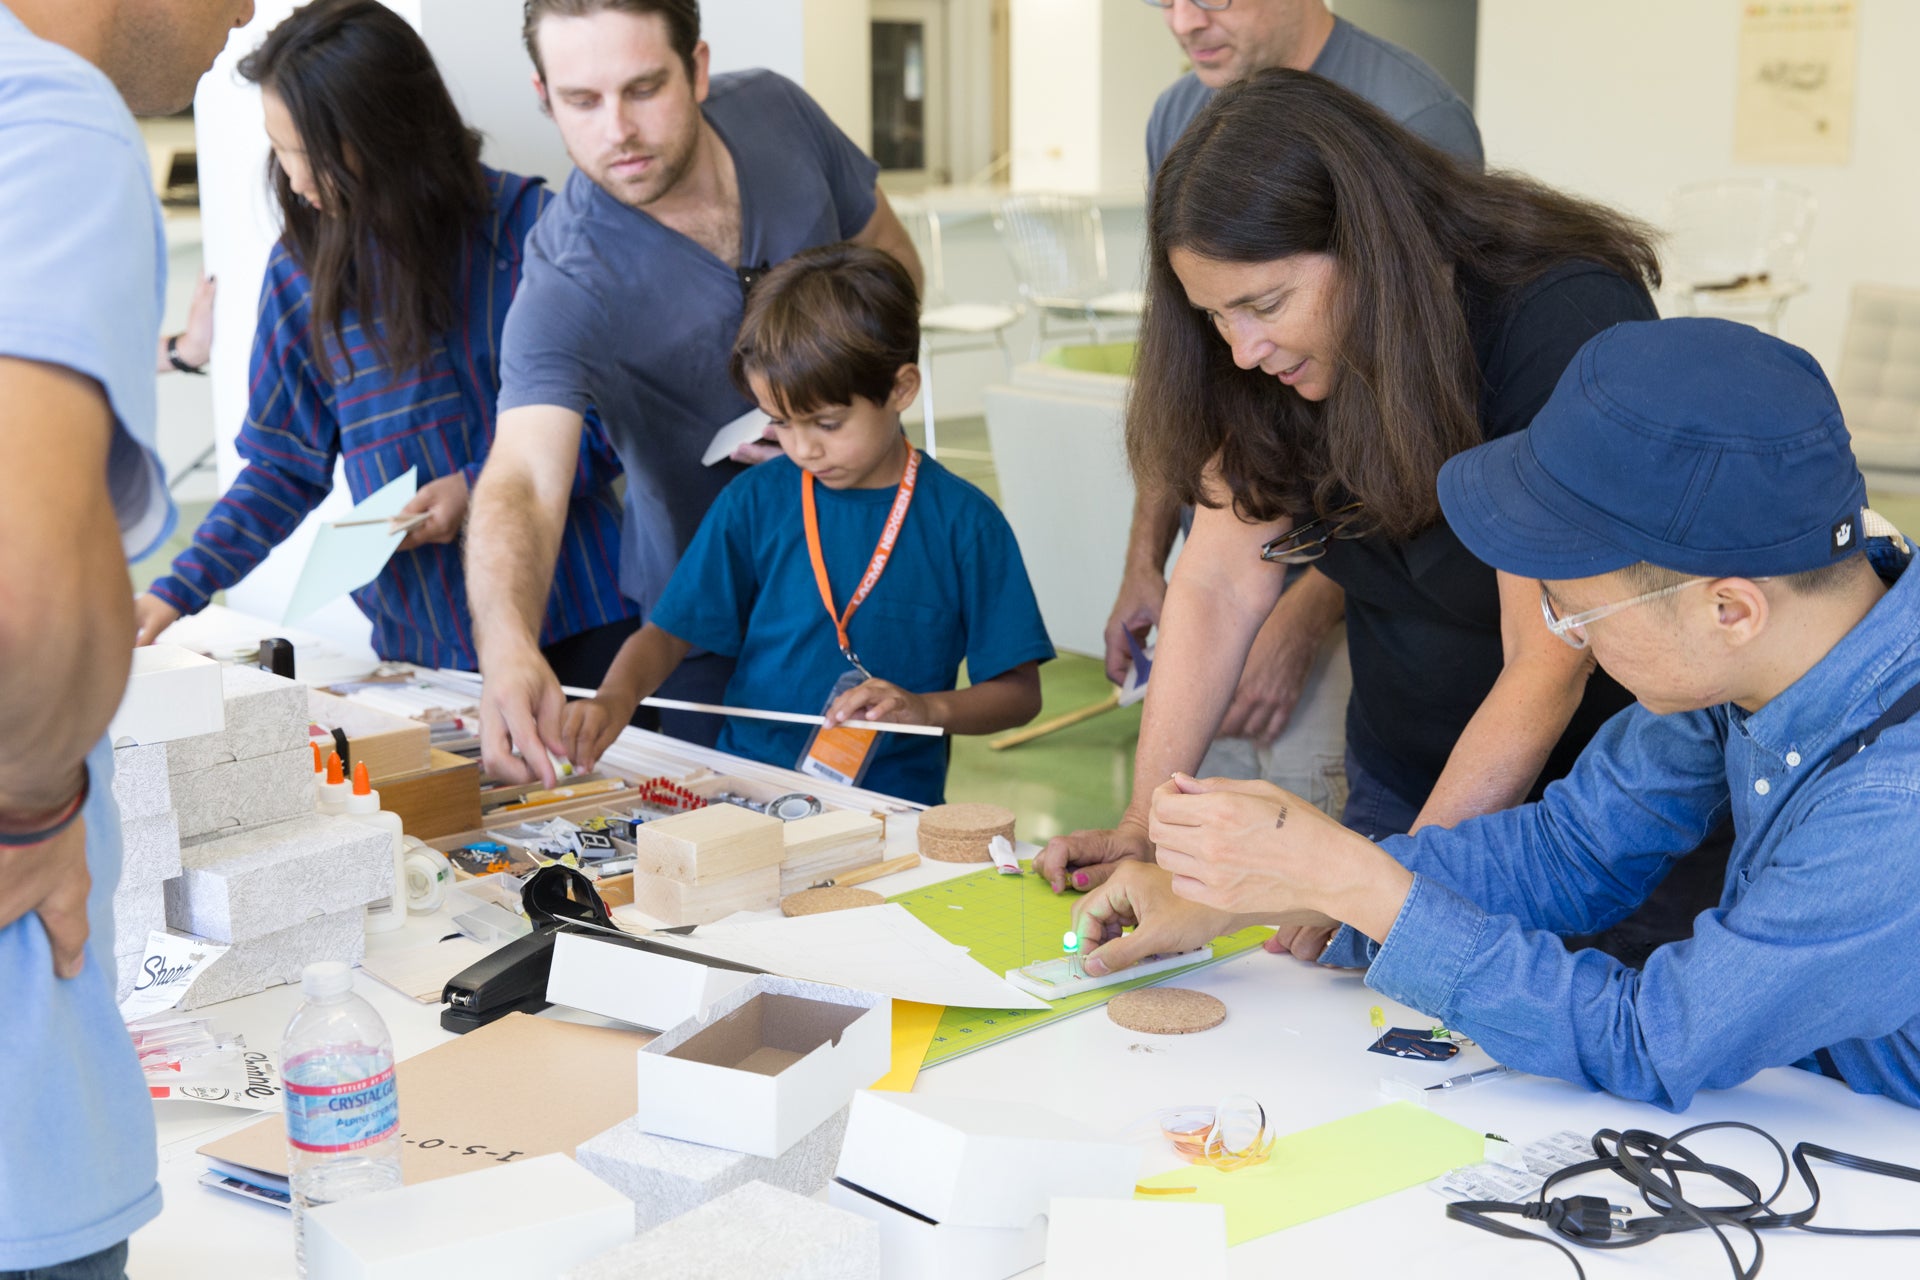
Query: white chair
{"x": 1059, "y": 254}
{"x": 1879, "y": 383}
{"x": 1738, "y": 248}
{"x": 948, "y": 327}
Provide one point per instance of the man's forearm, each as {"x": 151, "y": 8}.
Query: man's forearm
{"x": 1005, "y": 702}
{"x": 1503, "y": 748}
{"x": 1156, "y": 521}
{"x": 512, "y": 543}
{"x": 66, "y": 604}
{"x": 1313, "y": 605}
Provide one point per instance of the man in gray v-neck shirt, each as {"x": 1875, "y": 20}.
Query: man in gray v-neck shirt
{"x": 685, "y": 188}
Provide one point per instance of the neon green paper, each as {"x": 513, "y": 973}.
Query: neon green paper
{"x": 1007, "y": 922}
{"x": 1328, "y": 1168}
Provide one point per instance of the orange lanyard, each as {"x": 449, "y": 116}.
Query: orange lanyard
{"x": 875, "y": 567}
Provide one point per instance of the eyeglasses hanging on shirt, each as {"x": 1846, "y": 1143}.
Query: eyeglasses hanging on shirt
{"x": 1307, "y": 542}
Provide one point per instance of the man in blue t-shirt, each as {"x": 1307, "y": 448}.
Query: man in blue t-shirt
{"x": 82, "y": 276}
{"x": 686, "y": 188}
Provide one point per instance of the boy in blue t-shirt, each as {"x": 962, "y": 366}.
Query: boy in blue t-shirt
{"x": 922, "y": 569}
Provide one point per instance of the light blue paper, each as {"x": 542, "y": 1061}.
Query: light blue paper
{"x": 342, "y": 560}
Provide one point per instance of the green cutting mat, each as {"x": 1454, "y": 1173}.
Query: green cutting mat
{"x": 1010, "y": 921}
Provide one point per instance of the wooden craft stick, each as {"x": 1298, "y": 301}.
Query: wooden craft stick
{"x": 863, "y": 874}
{"x": 745, "y": 713}
{"x": 1056, "y": 724}
{"x": 400, "y": 523}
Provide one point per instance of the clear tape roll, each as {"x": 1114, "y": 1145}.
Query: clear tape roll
{"x": 428, "y": 875}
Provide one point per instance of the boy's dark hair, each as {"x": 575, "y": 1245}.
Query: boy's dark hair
{"x": 681, "y": 16}
{"x": 827, "y": 325}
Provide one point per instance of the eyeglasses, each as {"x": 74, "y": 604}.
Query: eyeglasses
{"x": 1569, "y": 628}
{"x": 1211, "y": 6}
{"x": 1305, "y": 543}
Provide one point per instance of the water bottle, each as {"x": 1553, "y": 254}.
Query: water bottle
{"x": 343, "y": 1113}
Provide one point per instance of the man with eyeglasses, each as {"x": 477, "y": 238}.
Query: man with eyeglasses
{"x": 1689, "y": 500}
{"x": 1287, "y": 722}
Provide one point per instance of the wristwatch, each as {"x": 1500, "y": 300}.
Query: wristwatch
{"x": 173, "y": 358}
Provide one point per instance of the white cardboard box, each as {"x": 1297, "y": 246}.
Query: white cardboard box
{"x": 911, "y": 1248}
{"x": 1099, "y": 1239}
{"x": 631, "y": 985}
{"x": 171, "y": 693}
{"x": 755, "y": 1232}
{"x": 534, "y": 1217}
{"x": 769, "y": 1062}
{"x": 976, "y": 1162}
{"x": 264, "y": 714}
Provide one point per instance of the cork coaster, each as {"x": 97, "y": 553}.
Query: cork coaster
{"x": 1166, "y": 1011}
{"x": 961, "y": 832}
{"x": 813, "y": 902}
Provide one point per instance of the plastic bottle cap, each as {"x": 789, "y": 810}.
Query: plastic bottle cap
{"x": 335, "y": 774}
{"x": 326, "y": 978}
{"x": 362, "y": 785}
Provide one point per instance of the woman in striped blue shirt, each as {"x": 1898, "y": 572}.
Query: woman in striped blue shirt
{"x": 378, "y": 343}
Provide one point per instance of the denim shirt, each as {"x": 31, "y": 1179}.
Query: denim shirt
{"x": 1813, "y": 942}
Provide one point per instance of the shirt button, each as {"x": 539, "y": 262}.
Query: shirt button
{"x": 1763, "y": 786}
{"x": 1793, "y": 759}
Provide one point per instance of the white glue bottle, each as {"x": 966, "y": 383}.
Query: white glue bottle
{"x": 330, "y": 793}
{"x": 363, "y": 806}
{"x": 343, "y": 1114}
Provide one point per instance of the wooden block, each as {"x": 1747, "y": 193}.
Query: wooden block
{"x": 716, "y": 843}
{"x": 828, "y": 844}
{"x": 390, "y": 745}
{"x": 673, "y": 903}
{"x": 439, "y": 801}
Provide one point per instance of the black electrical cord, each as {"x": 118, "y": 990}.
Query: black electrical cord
{"x": 1654, "y": 1165}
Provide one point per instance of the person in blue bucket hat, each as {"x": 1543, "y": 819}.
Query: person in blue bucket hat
{"x": 1688, "y": 499}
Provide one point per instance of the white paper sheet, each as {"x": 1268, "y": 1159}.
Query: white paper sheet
{"x": 882, "y": 949}
{"x": 1096, "y": 1239}
{"x": 745, "y": 429}
{"x": 344, "y": 559}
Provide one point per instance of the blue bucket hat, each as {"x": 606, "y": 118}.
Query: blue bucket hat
{"x": 1698, "y": 445}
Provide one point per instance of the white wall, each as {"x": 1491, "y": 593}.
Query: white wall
{"x": 836, "y": 64}
{"x": 1626, "y": 101}
{"x": 1084, "y": 77}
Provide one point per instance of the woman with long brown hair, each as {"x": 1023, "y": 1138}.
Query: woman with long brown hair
{"x": 378, "y": 344}
{"x": 1335, "y": 308}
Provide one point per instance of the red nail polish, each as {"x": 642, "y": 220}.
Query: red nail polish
{"x": 1079, "y": 879}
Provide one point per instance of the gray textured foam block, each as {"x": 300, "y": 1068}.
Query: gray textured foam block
{"x": 140, "y": 785}
{"x": 138, "y": 909}
{"x": 243, "y": 793}
{"x": 278, "y": 958}
{"x": 266, "y": 715}
{"x": 149, "y": 850}
{"x": 757, "y": 1231}
{"x": 665, "y": 1177}
{"x": 264, "y": 881}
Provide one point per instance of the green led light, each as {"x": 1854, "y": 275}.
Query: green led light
{"x": 1069, "y": 942}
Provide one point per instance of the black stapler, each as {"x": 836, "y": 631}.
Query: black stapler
{"x": 514, "y": 979}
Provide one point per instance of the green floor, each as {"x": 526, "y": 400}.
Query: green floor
{"x": 1078, "y": 777}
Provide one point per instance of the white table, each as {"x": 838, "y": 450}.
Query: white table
{"x": 1295, "y": 1039}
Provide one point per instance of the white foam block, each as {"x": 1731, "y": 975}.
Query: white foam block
{"x": 531, "y": 1217}
{"x": 271, "y": 879}
{"x": 1099, "y": 1239}
{"x": 277, "y": 959}
{"x": 665, "y": 1177}
{"x": 149, "y": 850}
{"x": 140, "y": 785}
{"x": 138, "y": 909}
{"x": 265, "y": 715}
{"x": 756, "y": 1231}
{"x": 244, "y": 792}
{"x": 171, "y": 693}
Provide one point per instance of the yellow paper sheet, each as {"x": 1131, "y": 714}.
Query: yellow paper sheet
{"x": 1329, "y": 1168}
{"x": 913, "y": 1028}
